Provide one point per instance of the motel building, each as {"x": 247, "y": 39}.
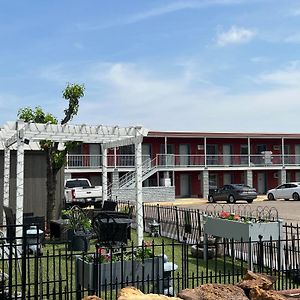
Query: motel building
{"x": 188, "y": 164}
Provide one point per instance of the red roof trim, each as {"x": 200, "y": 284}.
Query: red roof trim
{"x": 190, "y": 134}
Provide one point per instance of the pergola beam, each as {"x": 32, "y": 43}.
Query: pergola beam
{"x": 13, "y": 134}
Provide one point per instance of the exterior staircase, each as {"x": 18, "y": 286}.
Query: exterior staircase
{"x": 128, "y": 180}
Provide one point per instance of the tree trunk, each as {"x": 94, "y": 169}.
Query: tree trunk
{"x": 51, "y": 190}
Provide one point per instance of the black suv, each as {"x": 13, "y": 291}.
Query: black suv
{"x": 232, "y": 192}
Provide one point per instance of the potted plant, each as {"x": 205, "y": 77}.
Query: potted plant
{"x": 233, "y": 226}
{"x": 112, "y": 266}
{"x": 241, "y": 228}
{"x": 79, "y": 229}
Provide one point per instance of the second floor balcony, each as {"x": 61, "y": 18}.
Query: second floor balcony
{"x": 180, "y": 161}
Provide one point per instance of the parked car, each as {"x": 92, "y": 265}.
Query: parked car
{"x": 286, "y": 191}
{"x": 233, "y": 192}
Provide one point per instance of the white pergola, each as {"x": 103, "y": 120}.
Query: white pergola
{"x": 15, "y": 135}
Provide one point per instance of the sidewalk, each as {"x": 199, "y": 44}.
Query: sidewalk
{"x": 196, "y": 201}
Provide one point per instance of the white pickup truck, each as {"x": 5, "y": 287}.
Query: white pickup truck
{"x": 80, "y": 191}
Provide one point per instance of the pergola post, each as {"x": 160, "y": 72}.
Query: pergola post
{"x": 20, "y": 183}
{"x": 104, "y": 174}
{"x": 6, "y": 180}
{"x": 139, "y": 192}
{"x": 15, "y": 134}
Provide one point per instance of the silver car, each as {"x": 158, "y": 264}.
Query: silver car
{"x": 286, "y": 191}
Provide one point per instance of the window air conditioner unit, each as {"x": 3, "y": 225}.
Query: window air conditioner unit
{"x": 200, "y": 147}
{"x": 276, "y": 147}
{"x": 275, "y": 175}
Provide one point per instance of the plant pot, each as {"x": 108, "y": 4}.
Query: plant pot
{"x": 238, "y": 230}
{"x": 79, "y": 242}
{"x": 90, "y": 275}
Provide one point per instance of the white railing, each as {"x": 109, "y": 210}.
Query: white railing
{"x": 192, "y": 160}
{"x": 95, "y": 161}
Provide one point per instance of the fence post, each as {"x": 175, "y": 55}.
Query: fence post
{"x": 24, "y": 251}
{"x": 260, "y": 254}
{"x": 177, "y": 224}
{"x": 199, "y": 223}
{"x": 158, "y": 218}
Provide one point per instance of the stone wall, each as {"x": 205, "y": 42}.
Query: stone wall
{"x": 150, "y": 194}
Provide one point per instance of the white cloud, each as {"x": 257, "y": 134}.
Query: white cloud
{"x": 260, "y": 59}
{"x": 288, "y": 76}
{"x": 295, "y": 12}
{"x": 160, "y": 11}
{"x": 130, "y": 94}
{"x": 135, "y": 96}
{"x": 294, "y": 38}
{"x": 235, "y": 35}
{"x": 176, "y": 6}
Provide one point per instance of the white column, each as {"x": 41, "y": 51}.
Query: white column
{"x": 249, "y": 153}
{"x": 139, "y": 191}
{"x": 6, "y": 180}
{"x": 104, "y": 174}
{"x": 249, "y": 181}
{"x": 282, "y": 176}
{"x": 205, "y": 160}
{"x": 205, "y": 183}
{"x": 20, "y": 184}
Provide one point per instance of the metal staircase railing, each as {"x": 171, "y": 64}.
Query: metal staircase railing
{"x": 149, "y": 167}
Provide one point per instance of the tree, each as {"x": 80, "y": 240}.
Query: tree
{"x": 55, "y": 157}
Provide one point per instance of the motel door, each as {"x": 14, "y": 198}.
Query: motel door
{"x": 261, "y": 183}
{"x": 146, "y": 153}
{"x": 227, "y": 178}
{"x": 95, "y": 151}
{"x": 185, "y": 185}
{"x": 227, "y": 155}
{"x": 184, "y": 151}
{"x": 297, "y": 154}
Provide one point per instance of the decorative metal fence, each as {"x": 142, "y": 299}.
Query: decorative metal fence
{"x": 158, "y": 266}
{"x": 161, "y": 267}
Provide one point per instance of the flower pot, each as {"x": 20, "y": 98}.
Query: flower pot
{"x": 89, "y": 275}
{"x": 239, "y": 230}
{"x": 79, "y": 242}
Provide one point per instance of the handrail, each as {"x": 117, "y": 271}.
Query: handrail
{"x": 129, "y": 178}
{"x": 189, "y": 160}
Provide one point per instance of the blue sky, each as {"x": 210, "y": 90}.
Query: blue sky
{"x": 205, "y": 65}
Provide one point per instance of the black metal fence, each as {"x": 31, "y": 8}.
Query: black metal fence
{"x": 186, "y": 225}
{"x": 36, "y": 267}
{"x": 54, "y": 272}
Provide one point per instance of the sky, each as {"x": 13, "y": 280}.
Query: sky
{"x": 169, "y": 65}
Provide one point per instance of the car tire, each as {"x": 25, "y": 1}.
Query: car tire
{"x": 296, "y": 197}
{"x": 286, "y": 199}
{"x": 231, "y": 199}
{"x": 250, "y": 201}
{"x": 271, "y": 197}
{"x": 211, "y": 199}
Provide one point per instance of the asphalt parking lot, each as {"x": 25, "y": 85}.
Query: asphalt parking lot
{"x": 288, "y": 211}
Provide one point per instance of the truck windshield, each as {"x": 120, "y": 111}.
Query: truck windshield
{"x": 77, "y": 183}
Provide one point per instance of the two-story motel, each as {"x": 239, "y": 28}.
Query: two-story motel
{"x": 194, "y": 162}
